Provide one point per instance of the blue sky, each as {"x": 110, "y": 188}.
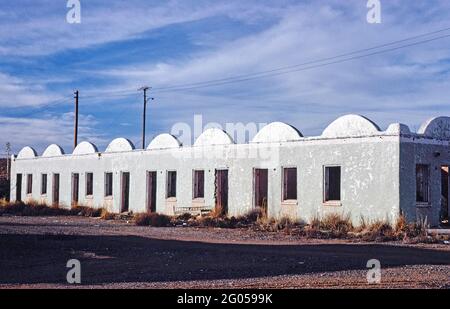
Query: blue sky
{"x": 121, "y": 45}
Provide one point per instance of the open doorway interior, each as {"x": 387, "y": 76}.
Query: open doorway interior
{"x": 75, "y": 188}
{"x": 444, "y": 195}
{"x": 151, "y": 191}
{"x": 261, "y": 183}
{"x": 55, "y": 190}
{"x": 125, "y": 201}
{"x": 19, "y": 187}
{"x": 221, "y": 192}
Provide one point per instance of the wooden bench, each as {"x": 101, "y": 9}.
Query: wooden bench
{"x": 192, "y": 210}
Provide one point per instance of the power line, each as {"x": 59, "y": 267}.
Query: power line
{"x": 350, "y": 56}
{"x": 231, "y": 81}
{"x": 276, "y": 71}
{"x": 301, "y": 64}
{"x": 47, "y": 105}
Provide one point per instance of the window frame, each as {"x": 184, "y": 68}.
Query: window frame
{"x": 284, "y": 197}
{"x": 195, "y": 185}
{"x": 86, "y": 185}
{"x": 29, "y": 187}
{"x": 44, "y": 193}
{"x": 109, "y": 193}
{"x": 326, "y": 200}
{"x": 169, "y": 184}
{"x": 427, "y": 202}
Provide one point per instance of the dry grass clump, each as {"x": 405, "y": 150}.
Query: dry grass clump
{"x": 32, "y": 208}
{"x": 330, "y": 226}
{"x": 382, "y": 230}
{"x": 416, "y": 231}
{"x": 36, "y": 209}
{"x": 152, "y": 219}
{"x": 284, "y": 224}
{"x": 218, "y": 220}
{"x": 378, "y": 230}
{"x": 106, "y": 215}
{"x": 84, "y": 211}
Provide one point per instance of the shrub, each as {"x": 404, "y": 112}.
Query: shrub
{"x": 106, "y": 215}
{"x": 218, "y": 212}
{"x": 332, "y": 225}
{"x": 32, "y": 208}
{"x": 405, "y": 230}
{"x": 84, "y": 211}
{"x": 152, "y": 219}
{"x": 379, "y": 230}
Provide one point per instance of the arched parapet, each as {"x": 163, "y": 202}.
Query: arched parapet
{"x": 120, "y": 145}
{"x": 277, "y": 132}
{"x": 53, "y": 151}
{"x": 351, "y": 126}
{"x": 85, "y": 148}
{"x": 164, "y": 141}
{"x": 213, "y": 136}
{"x": 27, "y": 153}
{"x": 438, "y": 127}
{"x": 398, "y": 129}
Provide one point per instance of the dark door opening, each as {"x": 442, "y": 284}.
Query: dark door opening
{"x": 261, "y": 183}
{"x": 444, "y": 194}
{"x": 19, "y": 187}
{"x": 55, "y": 190}
{"x": 151, "y": 191}
{"x": 125, "y": 204}
{"x": 221, "y": 192}
{"x": 75, "y": 189}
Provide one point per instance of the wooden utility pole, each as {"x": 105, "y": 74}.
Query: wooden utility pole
{"x": 144, "y": 116}
{"x": 75, "y": 135}
{"x": 8, "y": 155}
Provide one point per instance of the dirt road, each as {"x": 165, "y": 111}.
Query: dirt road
{"x": 34, "y": 253}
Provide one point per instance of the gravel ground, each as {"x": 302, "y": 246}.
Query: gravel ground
{"x": 34, "y": 252}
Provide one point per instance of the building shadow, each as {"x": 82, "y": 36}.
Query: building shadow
{"x": 28, "y": 259}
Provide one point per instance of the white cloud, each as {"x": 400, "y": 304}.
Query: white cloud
{"x": 378, "y": 86}
{"x": 41, "y": 132}
{"x": 407, "y": 86}
{"x": 41, "y": 29}
{"x": 16, "y": 92}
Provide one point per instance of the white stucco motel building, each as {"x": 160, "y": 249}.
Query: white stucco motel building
{"x": 353, "y": 168}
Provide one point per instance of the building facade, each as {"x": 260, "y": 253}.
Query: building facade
{"x": 353, "y": 168}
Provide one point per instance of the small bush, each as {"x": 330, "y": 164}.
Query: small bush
{"x": 34, "y": 208}
{"x": 405, "y": 230}
{"x": 152, "y": 219}
{"x": 84, "y": 211}
{"x": 332, "y": 225}
{"x": 106, "y": 215}
{"x": 379, "y": 230}
{"x": 218, "y": 212}
{"x": 184, "y": 217}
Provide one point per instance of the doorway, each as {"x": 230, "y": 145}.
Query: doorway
{"x": 125, "y": 184}
{"x": 261, "y": 183}
{"x": 151, "y": 191}
{"x": 444, "y": 195}
{"x": 19, "y": 187}
{"x": 221, "y": 192}
{"x": 75, "y": 189}
{"x": 55, "y": 191}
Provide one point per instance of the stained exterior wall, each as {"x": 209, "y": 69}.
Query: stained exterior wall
{"x": 378, "y": 170}
{"x": 369, "y": 176}
{"x": 418, "y": 150}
